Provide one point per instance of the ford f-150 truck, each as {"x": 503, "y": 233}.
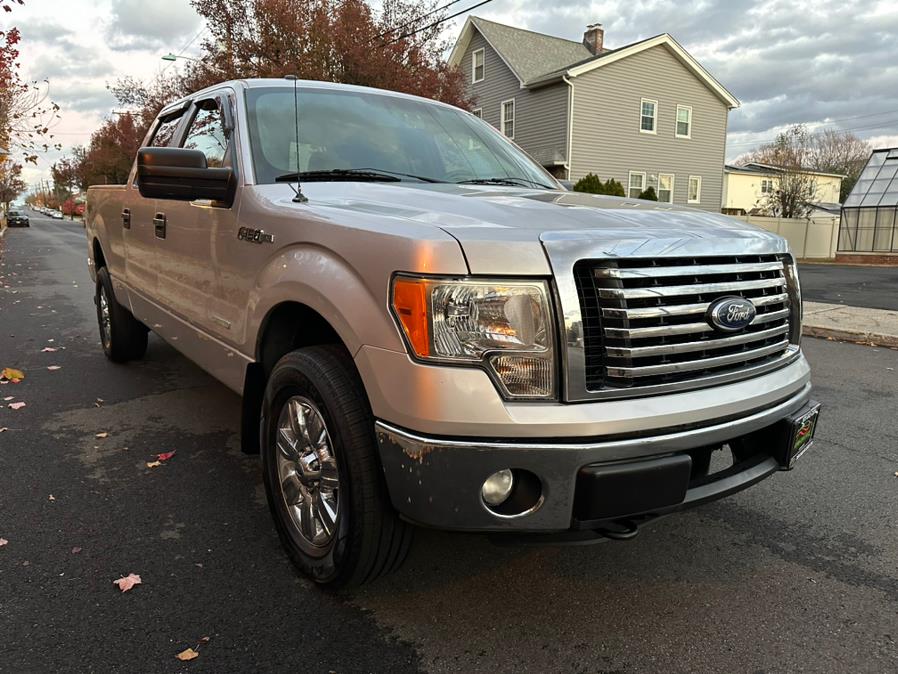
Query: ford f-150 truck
{"x": 427, "y": 329}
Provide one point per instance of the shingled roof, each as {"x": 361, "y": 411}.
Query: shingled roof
{"x": 537, "y": 59}
{"x": 530, "y": 54}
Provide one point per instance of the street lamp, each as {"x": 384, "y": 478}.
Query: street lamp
{"x": 176, "y": 57}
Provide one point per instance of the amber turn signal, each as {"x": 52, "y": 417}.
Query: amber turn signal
{"x": 410, "y": 303}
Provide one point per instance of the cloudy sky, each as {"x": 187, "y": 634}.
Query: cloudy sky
{"x": 829, "y": 63}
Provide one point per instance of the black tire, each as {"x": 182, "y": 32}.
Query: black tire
{"x": 126, "y": 337}
{"x": 369, "y": 539}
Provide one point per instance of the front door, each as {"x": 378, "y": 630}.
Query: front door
{"x": 186, "y": 231}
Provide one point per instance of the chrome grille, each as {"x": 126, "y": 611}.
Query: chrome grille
{"x": 644, "y": 319}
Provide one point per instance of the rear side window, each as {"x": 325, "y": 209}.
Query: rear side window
{"x": 165, "y": 132}
{"x": 206, "y": 133}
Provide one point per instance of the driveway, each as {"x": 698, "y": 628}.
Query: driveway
{"x": 871, "y": 287}
{"x": 799, "y": 573}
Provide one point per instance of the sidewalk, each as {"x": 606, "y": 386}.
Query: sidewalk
{"x": 876, "y": 327}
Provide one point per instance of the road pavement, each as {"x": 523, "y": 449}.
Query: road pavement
{"x": 857, "y": 286}
{"x": 799, "y": 573}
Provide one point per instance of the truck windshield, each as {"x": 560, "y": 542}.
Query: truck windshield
{"x": 353, "y": 130}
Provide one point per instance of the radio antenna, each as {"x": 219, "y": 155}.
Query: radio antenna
{"x": 299, "y": 197}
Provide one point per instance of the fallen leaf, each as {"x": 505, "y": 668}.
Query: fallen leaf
{"x": 204, "y": 640}
{"x": 3, "y": 429}
{"x": 75, "y": 551}
{"x": 99, "y": 402}
{"x": 49, "y": 349}
{"x": 104, "y": 434}
{"x": 16, "y": 406}
{"x": 52, "y": 498}
{"x": 15, "y": 376}
{"x": 188, "y": 654}
{"x": 165, "y": 456}
{"x": 153, "y": 464}
{"x": 3, "y": 542}
{"x": 54, "y": 367}
{"x": 127, "y": 582}
{"x": 8, "y": 398}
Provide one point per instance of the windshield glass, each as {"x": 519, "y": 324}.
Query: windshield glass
{"x": 363, "y": 130}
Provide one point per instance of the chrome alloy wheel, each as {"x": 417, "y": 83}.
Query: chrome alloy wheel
{"x": 105, "y": 318}
{"x": 307, "y": 471}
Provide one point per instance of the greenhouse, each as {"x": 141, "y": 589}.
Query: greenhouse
{"x": 868, "y": 215}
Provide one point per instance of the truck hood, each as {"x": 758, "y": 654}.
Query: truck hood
{"x": 510, "y": 230}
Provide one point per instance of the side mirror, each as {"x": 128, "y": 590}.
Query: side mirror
{"x": 175, "y": 173}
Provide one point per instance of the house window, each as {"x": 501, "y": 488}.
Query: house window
{"x": 648, "y": 116}
{"x": 477, "y": 112}
{"x": 684, "y": 121}
{"x": 477, "y": 67}
{"x": 766, "y": 186}
{"x": 508, "y": 118}
{"x": 637, "y": 184}
{"x": 695, "y": 190}
{"x": 665, "y": 187}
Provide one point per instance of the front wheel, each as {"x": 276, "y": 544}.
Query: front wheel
{"x": 322, "y": 473}
{"x": 123, "y": 337}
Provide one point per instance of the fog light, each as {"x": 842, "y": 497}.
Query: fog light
{"x": 497, "y": 487}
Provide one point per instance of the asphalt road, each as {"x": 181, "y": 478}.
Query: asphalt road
{"x": 871, "y": 287}
{"x": 799, "y": 573}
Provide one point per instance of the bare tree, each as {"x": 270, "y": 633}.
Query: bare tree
{"x": 835, "y": 151}
{"x": 794, "y": 189}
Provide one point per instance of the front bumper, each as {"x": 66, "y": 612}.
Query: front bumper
{"x": 437, "y": 482}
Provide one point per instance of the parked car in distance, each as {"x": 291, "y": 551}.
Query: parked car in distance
{"x": 17, "y": 218}
{"x": 426, "y": 329}
{"x": 56, "y": 215}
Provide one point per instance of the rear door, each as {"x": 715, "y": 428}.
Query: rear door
{"x": 136, "y": 220}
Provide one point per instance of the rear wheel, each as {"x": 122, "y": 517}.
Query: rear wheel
{"x": 322, "y": 473}
{"x": 123, "y": 337}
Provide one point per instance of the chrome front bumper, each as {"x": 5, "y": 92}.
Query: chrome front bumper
{"x": 437, "y": 482}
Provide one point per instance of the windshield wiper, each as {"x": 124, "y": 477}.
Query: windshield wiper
{"x": 372, "y": 174}
{"x": 507, "y": 180}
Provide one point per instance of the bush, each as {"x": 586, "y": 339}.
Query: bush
{"x": 591, "y": 184}
{"x": 614, "y": 188}
{"x": 648, "y": 194}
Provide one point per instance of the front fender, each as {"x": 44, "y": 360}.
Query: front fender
{"x": 318, "y": 278}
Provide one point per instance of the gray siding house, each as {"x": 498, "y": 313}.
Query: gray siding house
{"x": 645, "y": 114}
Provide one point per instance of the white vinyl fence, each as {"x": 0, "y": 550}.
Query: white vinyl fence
{"x": 811, "y": 238}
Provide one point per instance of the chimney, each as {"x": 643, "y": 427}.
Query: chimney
{"x": 594, "y": 38}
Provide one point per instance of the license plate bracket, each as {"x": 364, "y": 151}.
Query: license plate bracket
{"x": 803, "y": 427}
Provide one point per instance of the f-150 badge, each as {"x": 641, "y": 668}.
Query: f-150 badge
{"x": 254, "y": 235}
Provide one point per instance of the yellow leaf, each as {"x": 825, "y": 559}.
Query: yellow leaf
{"x": 11, "y": 374}
{"x": 104, "y": 434}
{"x": 153, "y": 464}
{"x": 189, "y": 654}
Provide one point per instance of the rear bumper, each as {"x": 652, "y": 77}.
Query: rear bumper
{"x": 437, "y": 482}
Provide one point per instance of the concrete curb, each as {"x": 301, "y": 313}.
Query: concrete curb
{"x": 842, "y": 335}
{"x": 875, "y": 327}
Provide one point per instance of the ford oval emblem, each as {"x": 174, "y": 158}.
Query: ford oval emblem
{"x": 730, "y": 314}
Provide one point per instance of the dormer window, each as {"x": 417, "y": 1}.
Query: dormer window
{"x": 477, "y": 66}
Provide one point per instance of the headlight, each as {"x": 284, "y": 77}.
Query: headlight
{"x": 504, "y": 326}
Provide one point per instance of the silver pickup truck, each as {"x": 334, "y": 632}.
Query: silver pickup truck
{"x": 426, "y": 329}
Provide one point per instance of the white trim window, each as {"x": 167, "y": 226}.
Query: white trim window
{"x": 665, "y": 187}
{"x": 478, "y": 66}
{"x": 766, "y": 186}
{"x": 508, "y": 118}
{"x": 684, "y": 121}
{"x": 694, "y": 195}
{"x": 635, "y": 184}
{"x": 477, "y": 112}
{"x": 648, "y": 116}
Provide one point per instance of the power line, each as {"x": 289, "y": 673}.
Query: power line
{"x": 893, "y": 122}
{"x": 417, "y": 19}
{"x": 436, "y": 23}
{"x": 186, "y": 46}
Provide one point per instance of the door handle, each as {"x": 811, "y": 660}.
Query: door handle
{"x": 159, "y": 225}
{"x": 126, "y": 218}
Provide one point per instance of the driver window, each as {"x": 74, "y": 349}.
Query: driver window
{"x": 206, "y": 133}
